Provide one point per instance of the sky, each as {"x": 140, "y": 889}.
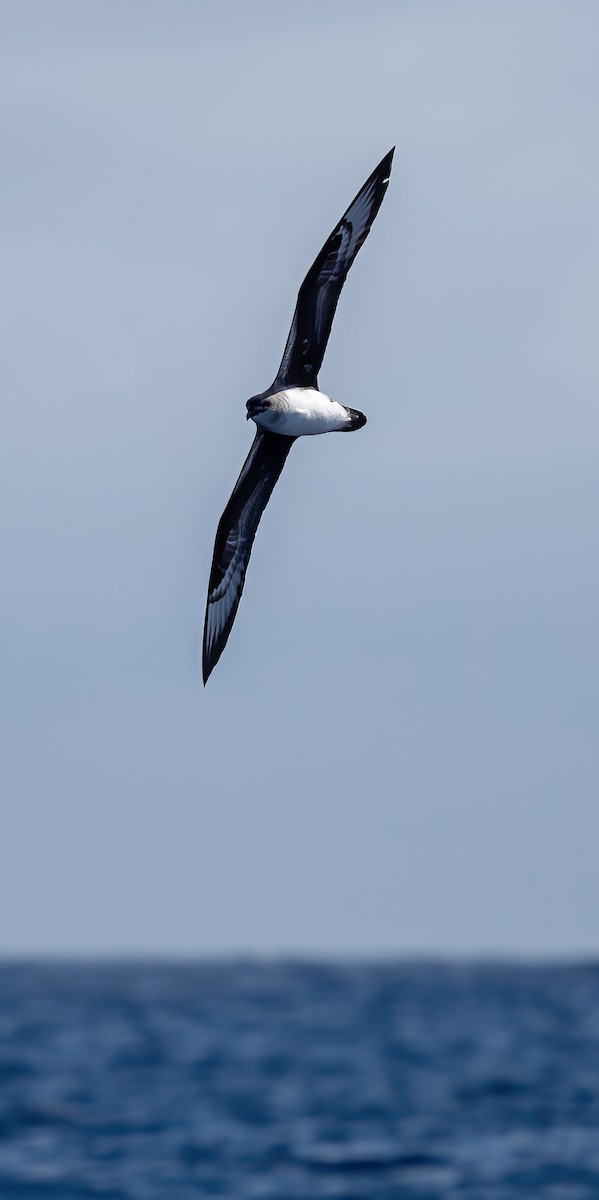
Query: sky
{"x": 398, "y": 752}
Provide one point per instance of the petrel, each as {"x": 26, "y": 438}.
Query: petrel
{"x": 292, "y": 407}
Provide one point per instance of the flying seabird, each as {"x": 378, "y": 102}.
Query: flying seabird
{"x": 291, "y": 407}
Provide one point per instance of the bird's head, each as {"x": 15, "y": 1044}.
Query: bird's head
{"x": 257, "y": 405}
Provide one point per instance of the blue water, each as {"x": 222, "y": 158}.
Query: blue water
{"x": 285, "y": 1080}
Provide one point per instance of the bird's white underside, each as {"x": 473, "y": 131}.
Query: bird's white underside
{"x": 297, "y": 412}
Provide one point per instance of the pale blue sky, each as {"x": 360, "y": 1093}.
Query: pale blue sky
{"x": 399, "y": 749}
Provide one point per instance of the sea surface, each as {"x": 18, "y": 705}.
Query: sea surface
{"x": 281, "y": 1080}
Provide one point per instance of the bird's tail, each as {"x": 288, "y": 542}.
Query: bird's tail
{"x": 357, "y": 420}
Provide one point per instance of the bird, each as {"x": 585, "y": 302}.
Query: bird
{"x": 292, "y": 407}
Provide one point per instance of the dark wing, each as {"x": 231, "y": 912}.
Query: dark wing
{"x": 235, "y": 538}
{"x": 320, "y": 291}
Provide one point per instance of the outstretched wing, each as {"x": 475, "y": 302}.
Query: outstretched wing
{"x": 320, "y": 291}
{"x": 235, "y": 538}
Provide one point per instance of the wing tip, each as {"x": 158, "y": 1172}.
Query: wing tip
{"x": 206, "y": 669}
{"x": 210, "y": 657}
{"x": 386, "y": 163}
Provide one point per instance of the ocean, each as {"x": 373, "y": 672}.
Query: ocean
{"x": 281, "y": 1080}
